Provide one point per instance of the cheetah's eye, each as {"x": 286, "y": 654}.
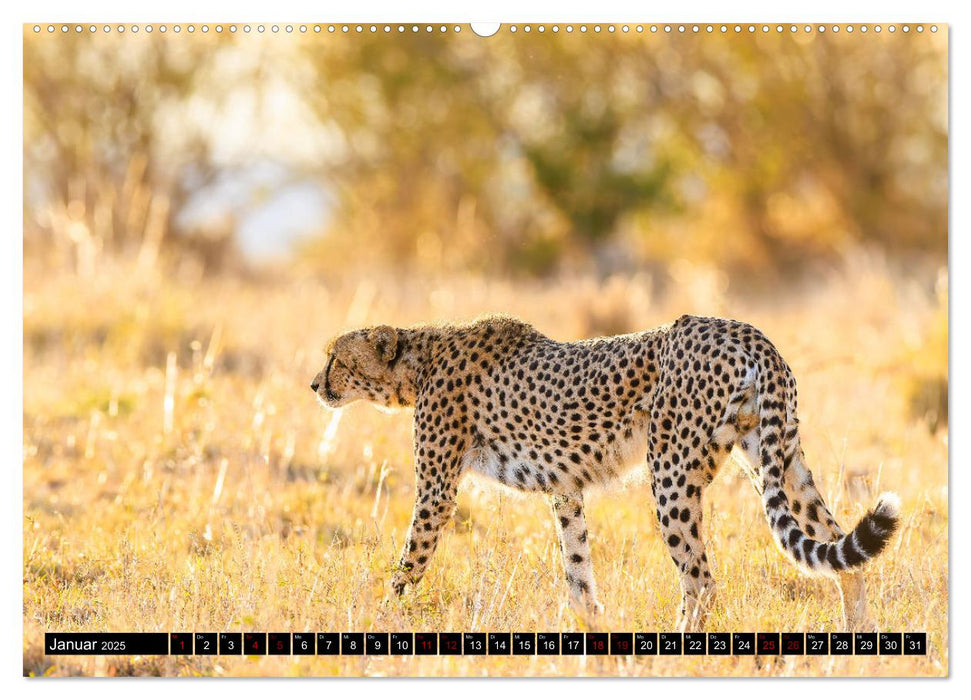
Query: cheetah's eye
{"x": 347, "y": 368}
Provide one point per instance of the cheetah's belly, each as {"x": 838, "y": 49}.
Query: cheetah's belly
{"x": 630, "y": 452}
{"x": 597, "y": 465}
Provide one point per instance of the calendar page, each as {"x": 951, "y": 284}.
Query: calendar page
{"x": 518, "y": 349}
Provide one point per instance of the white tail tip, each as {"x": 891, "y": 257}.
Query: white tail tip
{"x": 889, "y": 504}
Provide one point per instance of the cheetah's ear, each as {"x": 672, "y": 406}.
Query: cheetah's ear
{"x": 385, "y": 341}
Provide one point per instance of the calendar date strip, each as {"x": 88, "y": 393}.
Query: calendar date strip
{"x": 486, "y": 643}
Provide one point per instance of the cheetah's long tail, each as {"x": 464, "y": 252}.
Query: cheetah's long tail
{"x": 853, "y": 550}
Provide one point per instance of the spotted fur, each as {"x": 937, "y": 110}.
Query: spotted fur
{"x": 497, "y": 397}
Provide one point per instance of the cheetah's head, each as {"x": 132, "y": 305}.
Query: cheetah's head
{"x": 361, "y": 365}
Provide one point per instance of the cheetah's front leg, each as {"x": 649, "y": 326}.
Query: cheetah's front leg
{"x": 433, "y": 509}
{"x": 437, "y": 475}
{"x": 574, "y": 545}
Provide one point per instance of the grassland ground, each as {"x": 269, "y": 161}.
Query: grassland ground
{"x": 179, "y": 475}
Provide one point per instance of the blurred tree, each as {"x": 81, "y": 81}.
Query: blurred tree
{"x": 526, "y": 152}
{"x": 109, "y": 156}
{"x": 752, "y": 152}
{"x": 467, "y": 153}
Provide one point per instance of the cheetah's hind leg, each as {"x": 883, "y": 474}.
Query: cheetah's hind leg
{"x": 683, "y": 461}
{"x": 678, "y": 494}
{"x": 814, "y": 518}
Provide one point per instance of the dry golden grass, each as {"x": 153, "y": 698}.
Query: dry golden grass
{"x": 179, "y": 476}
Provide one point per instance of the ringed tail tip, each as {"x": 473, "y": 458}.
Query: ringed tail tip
{"x": 888, "y": 507}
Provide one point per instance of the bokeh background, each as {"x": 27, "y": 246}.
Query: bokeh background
{"x": 527, "y": 154}
{"x": 203, "y": 210}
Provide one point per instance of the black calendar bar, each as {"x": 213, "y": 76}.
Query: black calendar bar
{"x": 694, "y": 643}
{"x": 402, "y": 643}
{"x": 329, "y": 644}
{"x": 279, "y": 644}
{"x": 426, "y": 643}
{"x": 719, "y": 643}
{"x": 548, "y": 643}
{"x": 793, "y": 643}
{"x": 598, "y": 643}
{"x": 669, "y": 643}
{"x": 524, "y": 643}
{"x": 474, "y": 643}
{"x": 231, "y": 643}
{"x": 743, "y": 643}
{"x": 206, "y": 643}
{"x": 890, "y": 643}
{"x": 621, "y": 643}
{"x": 352, "y": 644}
{"x": 865, "y": 644}
{"x": 817, "y": 643}
{"x": 767, "y": 643}
{"x": 645, "y": 643}
{"x": 500, "y": 643}
{"x": 572, "y": 644}
{"x": 180, "y": 642}
{"x": 487, "y": 643}
{"x": 304, "y": 644}
{"x": 105, "y": 643}
{"x": 376, "y": 643}
{"x": 449, "y": 643}
{"x": 841, "y": 643}
{"x": 915, "y": 643}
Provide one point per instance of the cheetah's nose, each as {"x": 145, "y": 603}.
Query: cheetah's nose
{"x": 315, "y": 385}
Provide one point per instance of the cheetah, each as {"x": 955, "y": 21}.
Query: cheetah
{"x": 497, "y": 397}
